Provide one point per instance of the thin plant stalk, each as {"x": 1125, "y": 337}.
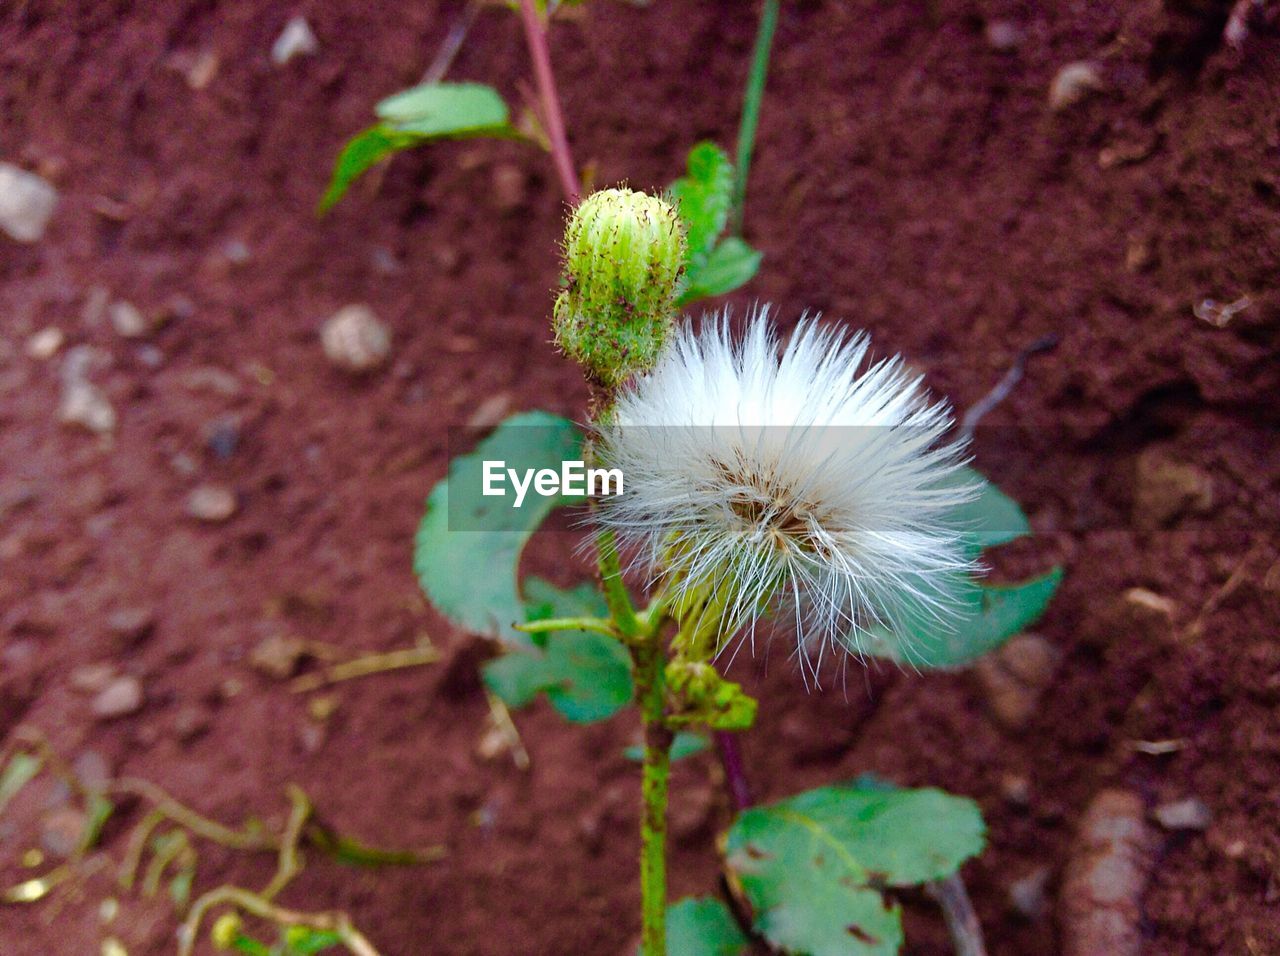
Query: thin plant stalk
{"x": 535, "y": 33}
{"x": 751, "y": 107}
{"x": 653, "y": 820}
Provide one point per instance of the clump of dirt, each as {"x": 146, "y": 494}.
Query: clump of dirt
{"x": 911, "y": 179}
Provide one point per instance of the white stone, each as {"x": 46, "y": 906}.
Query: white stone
{"x": 84, "y": 404}
{"x": 127, "y": 320}
{"x": 296, "y": 39}
{"x": 212, "y": 503}
{"x": 26, "y": 203}
{"x": 1073, "y": 83}
{"x": 354, "y": 339}
{"x": 44, "y": 344}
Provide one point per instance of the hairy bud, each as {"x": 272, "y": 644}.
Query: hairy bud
{"x": 623, "y": 257}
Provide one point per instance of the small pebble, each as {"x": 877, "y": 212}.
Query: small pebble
{"x": 277, "y": 656}
{"x": 1016, "y": 789}
{"x": 236, "y": 252}
{"x": 1190, "y": 813}
{"x": 131, "y": 625}
{"x": 296, "y": 39}
{"x": 354, "y": 339}
{"x": 222, "y": 436}
{"x": 26, "y": 203}
{"x": 1074, "y": 82}
{"x": 212, "y": 503}
{"x": 123, "y": 696}
{"x": 91, "y": 678}
{"x": 44, "y": 344}
{"x": 508, "y": 185}
{"x": 212, "y": 380}
{"x": 190, "y": 723}
{"x": 1166, "y": 490}
{"x": 84, "y": 405}
{"x": 1027, "y": 895}
{"x": 1015, "y": 678}
{"x": 1003, "y": 35}
{"x": 491, "y": 411}
{"x": 125, "y": 318}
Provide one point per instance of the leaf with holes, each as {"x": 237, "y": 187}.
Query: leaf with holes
{"x": 467, "y": 550}
{"x": 813, "y": 866}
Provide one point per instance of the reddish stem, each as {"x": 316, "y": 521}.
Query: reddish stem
{"x": 734, "y": 775}
{"x": 535, "y": 34}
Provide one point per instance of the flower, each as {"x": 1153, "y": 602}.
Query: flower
{"x": 802, "y": 477}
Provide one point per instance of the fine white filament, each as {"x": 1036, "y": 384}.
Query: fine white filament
{"x": 800, "y": 477}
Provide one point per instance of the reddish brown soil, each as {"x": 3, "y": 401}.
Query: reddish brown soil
{"x": 910, "y": 179}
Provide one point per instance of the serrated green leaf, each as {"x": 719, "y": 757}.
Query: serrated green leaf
{"x": 435, "y": 110}
{"x": 469, "y": 574}
{"x": 811, "y": 865}
{"x": 361, "y": 153}
{"x": 703, "y": 197}
{"x": 685, "y": 744}
{"x": 703, "y": 927}
{"x": 17, "y": 774}
{"x": 730, "y": 264}
{"x": 586, "y": 676}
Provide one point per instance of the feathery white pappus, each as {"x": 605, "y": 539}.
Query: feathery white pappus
{"x": 800, "y": 477}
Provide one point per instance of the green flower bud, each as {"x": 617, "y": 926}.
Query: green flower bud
{"x": 623, "y": 257}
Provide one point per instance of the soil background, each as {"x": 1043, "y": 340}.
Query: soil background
{"x": 911, "y": 179}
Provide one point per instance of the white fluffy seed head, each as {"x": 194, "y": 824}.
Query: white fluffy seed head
{"x": 800, "y": 477}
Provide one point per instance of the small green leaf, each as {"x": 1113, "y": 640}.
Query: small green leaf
{"x": 468, "y": 545}
{"x": 435, "y": 110}
{"x": 20, "y": 770}
{"x": 586, "y": 676}
{"x": 990, "y": 519}
{"x": 703, "y": 196}
{"x": 416, "y": 116}
{"x": 976, "y": 618}
{"x": 980, "y": 619}
{"x": 703, "y": 927}
{"x": 812, "y": 865}
{"x": 304, "y": 941}
{"x": 98, "y": 810}
{"x": 363, "y": 151}
{"x": 686, "y": 744}
{"x": 731, "y": 264}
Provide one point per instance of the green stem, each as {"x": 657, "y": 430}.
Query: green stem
{"x": 598, "y": 625}
{"x": 653, "y": 820}
{"x": 751, "y": 107}
{"x": 621, "y": 609}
